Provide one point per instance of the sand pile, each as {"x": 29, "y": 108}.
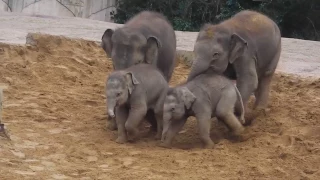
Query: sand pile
{"x": 54, "y": 109}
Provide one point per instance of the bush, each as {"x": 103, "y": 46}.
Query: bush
{"x": 296, "y": 18}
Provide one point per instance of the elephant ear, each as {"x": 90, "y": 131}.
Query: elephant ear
{"x": 153, "y": 45}
{"x": 238, "y": 46}
{"x": 188, "y": 97}
{"x": 131, "y": 81}
{"x": 106, "y": 43}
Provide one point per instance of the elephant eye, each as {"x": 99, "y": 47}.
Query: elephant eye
{"x": 119, "y": 94}
{"x": 172, "y": 109}
{"x": 215, "y": 55}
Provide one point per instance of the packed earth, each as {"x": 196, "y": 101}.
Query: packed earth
{"x": 54, "y": 109}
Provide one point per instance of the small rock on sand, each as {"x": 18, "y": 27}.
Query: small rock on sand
{"x": 18, "y": 154}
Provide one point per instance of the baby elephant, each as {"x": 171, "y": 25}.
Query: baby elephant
{"x": 131, "y": 93}
{"x": 206, "y": 96}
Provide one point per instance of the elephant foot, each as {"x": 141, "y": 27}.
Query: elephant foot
{"x": 165, "y": 145}
{"x": 238, "y": 131}
{"x": 133, "y": 135}
{"x": 153, "y": 128}
{"x": 244, "y": 135}
{"x": 121, "y": 140}
{"x": 112, "y": 125}
{"x": 158, "y": 136}
{"x": 209, "y": 145}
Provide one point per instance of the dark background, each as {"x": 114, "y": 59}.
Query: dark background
{"x": 296, "y": 18}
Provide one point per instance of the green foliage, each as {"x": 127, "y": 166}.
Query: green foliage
{"x": 296, "y": 18}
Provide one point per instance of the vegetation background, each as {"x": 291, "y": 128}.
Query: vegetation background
{"x": 296, "y": 18}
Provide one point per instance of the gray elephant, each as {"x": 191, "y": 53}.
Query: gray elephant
{"x": 148, "y": 38}
{"x": 131, "y": 93}
{"x": 205, "y": 96}
{"x": 245, "y": 48}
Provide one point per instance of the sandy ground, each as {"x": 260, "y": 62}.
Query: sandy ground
{"x": 54, "y": 109}
{"x": 298, "y": 56}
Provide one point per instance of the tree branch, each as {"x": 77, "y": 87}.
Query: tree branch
{"x": 7, "y": 5}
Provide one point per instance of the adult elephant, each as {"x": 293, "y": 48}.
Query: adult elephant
{"x": 245, "y": 47}
{"x": 148, "y": 37}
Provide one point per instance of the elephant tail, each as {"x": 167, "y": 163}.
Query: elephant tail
{"x": 274, "y": 62}
{"x": 242, "y": 120}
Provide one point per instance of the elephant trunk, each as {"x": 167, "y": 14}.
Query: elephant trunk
{"x": 166, "y": 125}
{"x": 198, "y": 67}
{"x": 111, "y": 107}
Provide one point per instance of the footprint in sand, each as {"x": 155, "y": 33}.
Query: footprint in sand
{"x": 29, "y": 173}
{"x": 60, "y": 176}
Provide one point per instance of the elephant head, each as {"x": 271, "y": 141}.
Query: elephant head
{"x": 127, "y": 47}
{"x": 177, "y": 102}
{"x": 119, "y": 86}
{"x": 214, "y": 49}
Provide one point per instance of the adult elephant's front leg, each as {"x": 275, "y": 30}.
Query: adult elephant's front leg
{"x": 136, "y": 115}
{"x": 247, "y": 83}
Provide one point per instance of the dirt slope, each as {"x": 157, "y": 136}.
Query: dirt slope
{"x": 55, "y": 111}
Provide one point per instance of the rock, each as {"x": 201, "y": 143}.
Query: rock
{"x": 33, "y": 134}
{"x": 104, "y": 166}
{"x": 36, "y": 168}
{"x": 14, "y": 138}
{"x": 108, "y": 153}
{"x": 31, "y": 160}
{"x": 133, "y": 153}
{"x": 36, "y": 111}
{"x": 89, "y": 152}
{"x": 25, "y": 172}
{"x": 85, "y": 178}
{"x": 182, "y": 162}
{"x": 60, "y": 157}
{"x": 59, "y": 176}
{"x": 127, "y": 161}
{"x": 92, "y": 158}
{"x": 55, "y": 131}
{"x": 33, "y": 105}
{"x": 18, "y": 154}
{"x": 30, "y": 39}
{"x": 48, "y": 164}
{"x": 27, "y": 145}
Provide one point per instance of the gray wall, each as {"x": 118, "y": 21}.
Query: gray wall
{"x": 91, "y": 9}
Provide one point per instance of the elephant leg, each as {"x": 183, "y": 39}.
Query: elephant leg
{"x": 121, "y": 118}
{"x": 247, "y": 83}
{"x": 151, "y": 118}
{"x": 174, "y": 128}
{"x": 159, "y": 126}
{"x": 136, "y": 115}
{"x": 204, "y": 125}
{"x": 262, "y": 93}
{"x": 112, "y": 124}
{"x": 224, "y": 111}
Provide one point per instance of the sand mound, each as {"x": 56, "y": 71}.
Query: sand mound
{"x": 54, "y": 109}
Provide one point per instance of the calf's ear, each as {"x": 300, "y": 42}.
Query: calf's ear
{"x": 188, "y": 97}
{"x": 131, "y": 81}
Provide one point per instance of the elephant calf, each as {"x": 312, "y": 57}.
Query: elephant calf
{"x": 205, "y": 96}
{"x": 131, "y": 93}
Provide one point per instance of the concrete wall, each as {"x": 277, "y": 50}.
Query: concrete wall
{"x": 91, "y": 9}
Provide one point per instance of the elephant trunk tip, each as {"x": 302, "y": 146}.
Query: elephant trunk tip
{"x": 111, "y": 113}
